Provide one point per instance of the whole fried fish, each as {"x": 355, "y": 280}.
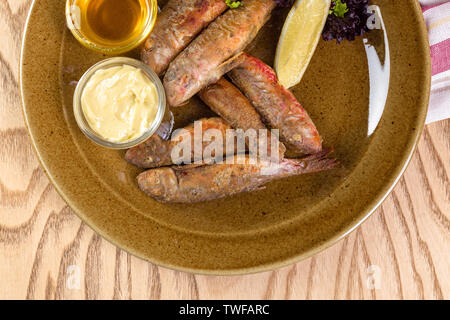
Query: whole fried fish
{"x": 206, "y": 58}
{"x": 192, "y": 184}
{"x": 156, "y": 152}
{"x": 277, "y": 105}
{"x": 177, "y": 24}
{"x": 228, "y": 102}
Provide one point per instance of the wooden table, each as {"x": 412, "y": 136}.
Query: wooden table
{"x": 401, "y": 252}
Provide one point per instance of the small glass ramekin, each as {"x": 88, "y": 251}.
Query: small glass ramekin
{"x": 83, "y": 123}
{"x": 73, "y": 19}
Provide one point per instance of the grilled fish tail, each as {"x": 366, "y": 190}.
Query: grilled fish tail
{"x": 313, "y": 163}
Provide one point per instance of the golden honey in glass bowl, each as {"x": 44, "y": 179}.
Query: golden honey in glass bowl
{"x": 111, "y": 26}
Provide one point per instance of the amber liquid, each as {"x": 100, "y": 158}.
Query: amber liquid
{"x": 112, "y": 22}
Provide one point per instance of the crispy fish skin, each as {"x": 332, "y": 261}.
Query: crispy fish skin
{"x": 228, "y": 102}
{"x": 177, "y": 24}
{"x": 156, "y": 152}
{"x": 277, "y": 105}
{"x": 203, "y": 183}
{"x": 205, "y": 58}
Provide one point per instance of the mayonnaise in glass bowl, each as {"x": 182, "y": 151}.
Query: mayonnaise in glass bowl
{"x": 85, "y": 117}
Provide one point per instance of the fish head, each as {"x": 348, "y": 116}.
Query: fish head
{"x": 159, "y": 183}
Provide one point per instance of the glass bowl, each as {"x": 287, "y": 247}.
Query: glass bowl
{"x": 83, "y": 123}
{"x": 75, "y": 17}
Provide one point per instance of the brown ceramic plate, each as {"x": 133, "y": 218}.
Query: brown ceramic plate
{"x": 291, "y": 219}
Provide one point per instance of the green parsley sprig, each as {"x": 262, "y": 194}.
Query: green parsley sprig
{"x": 233, "y": 4}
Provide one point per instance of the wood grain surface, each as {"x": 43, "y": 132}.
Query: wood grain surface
{"x": 46, "y": 252}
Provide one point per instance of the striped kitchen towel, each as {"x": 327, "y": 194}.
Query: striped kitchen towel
{"x": 437, "y": 18}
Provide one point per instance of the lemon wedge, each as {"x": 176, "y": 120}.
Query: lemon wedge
{"x": 298, "y": 41}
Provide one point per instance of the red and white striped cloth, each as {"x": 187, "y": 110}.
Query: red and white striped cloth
{"x": 437, "y": 18}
